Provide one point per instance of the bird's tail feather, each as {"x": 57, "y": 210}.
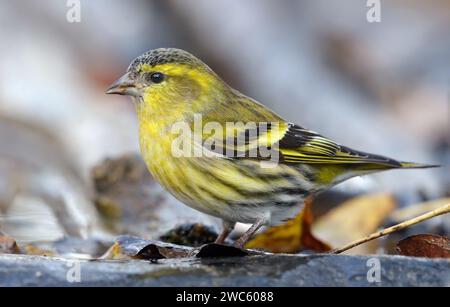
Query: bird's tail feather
{"x": 416, "y": 165}
{"x": 391, "y": 164}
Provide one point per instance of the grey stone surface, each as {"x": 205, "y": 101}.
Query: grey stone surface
{"x": 264, "y": 270}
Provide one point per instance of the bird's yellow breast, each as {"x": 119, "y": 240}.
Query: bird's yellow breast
{"x": 156, "y": 145}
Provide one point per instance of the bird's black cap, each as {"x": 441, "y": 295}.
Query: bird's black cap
{"x": 163, "y": 56}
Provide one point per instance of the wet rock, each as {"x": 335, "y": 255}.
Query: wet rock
{"x": 262, "y": 270}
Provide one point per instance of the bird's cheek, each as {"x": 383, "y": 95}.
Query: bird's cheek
{"x": 147, "y": 96}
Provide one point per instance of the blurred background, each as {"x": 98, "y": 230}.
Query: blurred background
{"x": 380, "y": 87}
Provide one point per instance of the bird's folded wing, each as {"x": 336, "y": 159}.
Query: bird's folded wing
{"x": 305, "y": 146}
{"x": 294, "y": 144}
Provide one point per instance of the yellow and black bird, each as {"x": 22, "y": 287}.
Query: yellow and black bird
{"x": 228, "y": 179}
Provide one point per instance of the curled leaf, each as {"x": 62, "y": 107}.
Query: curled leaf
{"x": 425, "y": 245}
{"x": 290, "y": 237}
{"x": 355, "y": 218}
{"x": 8, "y": 245}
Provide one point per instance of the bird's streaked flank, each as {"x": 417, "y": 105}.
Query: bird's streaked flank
{"x": 171, "y": 86}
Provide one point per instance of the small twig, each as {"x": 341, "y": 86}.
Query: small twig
{"x": 439, "y": 211}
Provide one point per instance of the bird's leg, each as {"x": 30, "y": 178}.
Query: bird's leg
{"x": 249, "y": 233}
{"x": 227, "y": 228}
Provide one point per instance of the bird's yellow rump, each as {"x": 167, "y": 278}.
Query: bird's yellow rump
{"x": 222, "y": 172}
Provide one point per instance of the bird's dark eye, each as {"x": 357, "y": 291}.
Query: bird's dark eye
{"x": 156, "y": 77}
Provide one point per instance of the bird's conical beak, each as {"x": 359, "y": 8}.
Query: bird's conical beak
{"x": 123, "y": 86}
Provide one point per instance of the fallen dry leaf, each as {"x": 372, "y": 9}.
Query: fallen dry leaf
{"x": 34, "y": 250}
{"x": 290, "y": 237}
{"x": 8, "y": 245}
{"x": 354, "y": 219}
{"x": 425, "y": 245}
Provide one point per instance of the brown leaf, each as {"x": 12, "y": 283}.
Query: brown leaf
{"x": 8, "y": 245}
{"x": 425, "y": 245}
{"x": 291, "y": 236}
{"x": 34, "y": 250}
{"x": 309, "y": 241}
{"x": 354, "y": 219}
